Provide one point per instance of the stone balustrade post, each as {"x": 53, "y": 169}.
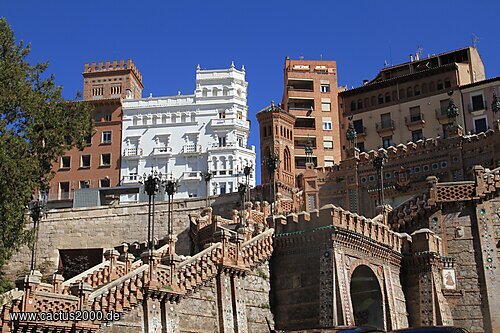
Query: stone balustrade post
{"x": 81, "y": 290}
{"x": 152, "y": 258}
{"x": 112, "y": 255}
{"x": 128, "y": 259}
{"x": 29, "y": 283}
{"x": 56, "y": 280}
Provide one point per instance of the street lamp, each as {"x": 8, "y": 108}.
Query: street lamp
{"x": 207, "y": 176}
{"x": 170, "y": 188}
{"x": 378, "y": 165}
{"x": 452, "y": 110}
{"x": 309, "y": 151}
{"x": 495, "y": 106}
{"x": 36, "y": 210}
{"x": 271, "y": 163}
{"x": 152, "y": 185}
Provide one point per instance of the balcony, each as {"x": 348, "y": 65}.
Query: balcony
{"x": 385, "y": 126}
{"x": 191, "y": 176}
{"x": 292, "y": 88}
{"x": 360, "y": 131}
{"x": 415, "y": 122}
{"x": 191, "y": 149}
{"x": 229, "y": 145}
{"x": 162, "y": 151}
{"x": 132, "y": 153}
{"x": 478, "y": 107}
{"x": 230, "y": 122}
{"x": 131, "y": 179}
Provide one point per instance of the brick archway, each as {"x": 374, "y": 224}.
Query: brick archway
{"x": 367, "y": 297}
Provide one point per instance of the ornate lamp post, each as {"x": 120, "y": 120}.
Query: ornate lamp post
{"x": 36, "y": 211}
{"x": 271, "y": 163}
{"x": 207, "y": 176}
{"x": 378, "y": 165}
{"x": 495, "y": 107}
{"x": 452, "y": 110}
{"x": 170, "y": 188}
{"x": 309, "y": 151}
{"x": 243, "y": 189}
{"x": 152, "y": 185}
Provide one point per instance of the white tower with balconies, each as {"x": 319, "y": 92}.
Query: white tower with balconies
{"x": 185, "y": 136}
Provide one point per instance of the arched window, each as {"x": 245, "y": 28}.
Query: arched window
{"x": 416, "y": 90}
{"x": 353, "y": 105}
{"x": 223, "y": 165}
{"x": 380, "y": 99}
{"x": 264, "y": 132}
{"x": 270, "y": 130}
{"x": 409, "y": 92}
{"x": 440, "y": 85}
{"x": 183, "y": 118}
{"x": 231, "y": 165}
{"x": 214, "y": 163}
{"x": 387, "y": 97}
{"x": 360, "y": 104}
{"x": 281, "y": 130}
{"x": 287, "y": 159}
{"x": 174, "y": 118}
{"x": 193, "y": 117}
{"x": 372, "y": 101}
{"x": 402, "y": 94}
{"x": 225, "y": 91}
{"x": 365, "y": 102}
{"x": 432, "y": 86}
{"x": 394, "y": 95}
{"x": 204, "y": 92}
{"x": 215, "y": 92}
{"x": 424, "y": 88}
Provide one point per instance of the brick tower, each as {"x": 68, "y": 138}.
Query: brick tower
{"x": 276, "y": 140}
{"x": 106, "y": 84}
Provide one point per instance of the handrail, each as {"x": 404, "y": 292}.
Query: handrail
{"x": 258, "y": 237}
{"x": 91, "y": 270}
{"x": 117, "y": 282}
{"x": 200, "y": 255}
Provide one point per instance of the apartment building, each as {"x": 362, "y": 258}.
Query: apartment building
{"x": 310, "y": 94}
{"x": 106, "y": 84}
{"x": 481, "y": 105}
{"x": 186, "y": 136}
{"x": 408, "y": 102}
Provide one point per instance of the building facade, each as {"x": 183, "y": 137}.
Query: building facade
{"x": 310, "y": 94}
{"x": 186, "y": 136}
{"x": 409, "y": 102}
{"x": 480, "y": 109}
{"x": 98, "y": 164}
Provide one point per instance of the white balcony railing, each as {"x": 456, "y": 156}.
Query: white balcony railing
{"x": 132, "y": 152}
{"x": 162, "y": 150}
{"x": 230, "y": 122}
{"x": 134, "y": 178}
{"x": 191, "y": 149}
{"x": 191, "y": 175}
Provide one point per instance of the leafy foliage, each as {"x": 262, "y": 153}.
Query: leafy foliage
{"x": 36, "y": 127}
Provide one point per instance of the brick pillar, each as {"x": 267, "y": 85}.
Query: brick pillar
{"x": 57, "y": 280}
{"x": 152, "y": 315}
{"x": 128, "y": 259}
{"x": 29, "y": 283}
{"x": 225, "y": 306}
{"x": 112, "y": 255}
{"x": 82, "y": 290}
{"x": 327, "y": 290}
{"x": 152, "y": 258}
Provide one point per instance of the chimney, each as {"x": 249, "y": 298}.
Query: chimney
{"x": 365, "y": 82}
{"x": 411, "y": 57}
{"x": 417, "y": 56}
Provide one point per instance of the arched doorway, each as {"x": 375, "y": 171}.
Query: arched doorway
{"x": 366, "y": 298}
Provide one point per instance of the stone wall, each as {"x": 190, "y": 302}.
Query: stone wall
{"x": 200, "y": 311}
{"x": 107, "y": 227}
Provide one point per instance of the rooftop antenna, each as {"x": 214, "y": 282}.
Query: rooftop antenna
{"x": 321, "y": 57}
{"x": 475, "y": 40}
{"x": 418, "y": 54}
{"x": 301, "y": 57}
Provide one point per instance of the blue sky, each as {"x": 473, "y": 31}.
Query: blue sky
{"x": 168, "y": 39}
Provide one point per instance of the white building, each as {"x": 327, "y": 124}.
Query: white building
{"x": 184, "y": 136}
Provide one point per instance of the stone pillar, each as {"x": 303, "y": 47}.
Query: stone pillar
{"x": 128, "y": 259}
{"x": 327, "y": 290}
{"x": 343, "y": 285}
{"x": 239, "y": 305}
{"x": 57, "y": 280}
{"x": 152, "y": 258}
{"x": 29, "y": 283}
{"x": 152, "y": 315}
{"x": 225, "y": 306}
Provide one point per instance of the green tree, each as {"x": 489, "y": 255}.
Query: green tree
{"x": 36, "y": 127}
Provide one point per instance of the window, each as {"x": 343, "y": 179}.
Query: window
{"x": 328, "y": 144}
{"x": 239, "y": 115}
{"x": 222, "y": 188}
{"x": 222, "y": 141}
{"x": 444, "y": 105}
{"x": 97, "y": 90}
{"x": 97, "y": 117}
{"x": 361, "y": 146}
{"x": 358, "y": 126}
{"x": 105, "y": 159}
{"x": 360, "y": 104}
{"x": 402, "y": 93}
{"x": 409, "y": 92}
{"x": 477, "y": 102}
{"x": 104, "y": 182}
{"x": 65, "y": 162}
{"x": 480, "y": 125}
{"x": 116, "y": 90}
{"x": 416, "y": 91}
{"x": 222, "y": 114}
{"x": 84, "y": 183}
{"x": 107, "y": 116}
{"x": 417, "y": 135}
{"x": 387, "y": 97}
{"x": 424, "y": 88}
{"x": 415, "y": 114}
{"x": 380, "y": 99}
{"x": 106, "y": 137}
{"x": 64, "y": 190}
{"x": 85, "y": 161}
{"x": 327, "y": 125}
{"x": 387, "y": 141}
{"x": 325, "y": 106}
{"x": 353, "y": 105}
{"x": 385, "y": 120}
{"x": 432, "y": 86}
{"x": 329, "y": 162}
{"x": 447, "y": 83}
{"x": 88, "y": 140}
{"x": 324, "y": 88}
{"x": 439, "y": 85}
